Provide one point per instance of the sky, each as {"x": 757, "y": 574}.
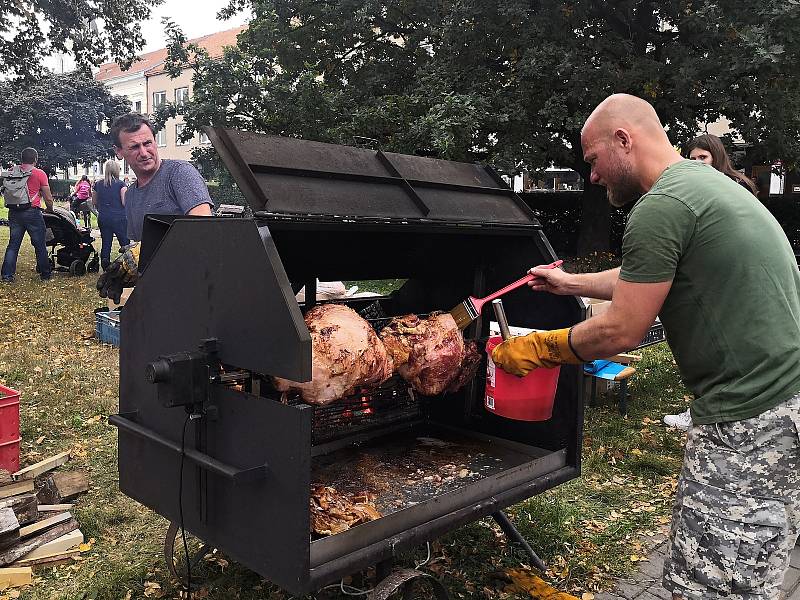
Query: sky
{"x": 194, "y": 17}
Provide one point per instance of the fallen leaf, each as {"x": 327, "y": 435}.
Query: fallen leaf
{"x": 39, "y": 440}
{"x": 587, "y": 596}
{"x": 525, "y": 581}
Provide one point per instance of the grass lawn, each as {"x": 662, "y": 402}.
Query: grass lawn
{"x": 587, "y": 531}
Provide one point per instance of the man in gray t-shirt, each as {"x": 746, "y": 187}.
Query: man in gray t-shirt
{"x": 167, "y": 187}
{"x": 176, "y": 189}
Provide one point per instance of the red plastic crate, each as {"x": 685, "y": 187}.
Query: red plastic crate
{"x": 9, "y": 429}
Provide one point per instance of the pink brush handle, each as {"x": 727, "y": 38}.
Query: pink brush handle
{"x": 479, "y": 302}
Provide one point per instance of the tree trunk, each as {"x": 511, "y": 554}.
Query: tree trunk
{"x": 595, "y": 228}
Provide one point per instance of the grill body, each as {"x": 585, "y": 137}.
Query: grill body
{"x": 433, "y": 463}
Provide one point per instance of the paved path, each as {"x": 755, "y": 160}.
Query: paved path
{"x": 646, "y": 583}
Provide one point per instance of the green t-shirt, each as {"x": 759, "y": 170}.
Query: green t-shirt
{"x": 732, "y": 315}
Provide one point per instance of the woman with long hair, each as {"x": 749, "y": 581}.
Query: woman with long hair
{"x": 109, "y": 198}
{"x": 708, "y": 148}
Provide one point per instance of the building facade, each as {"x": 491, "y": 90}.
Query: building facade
{"x": 147, "y": 85}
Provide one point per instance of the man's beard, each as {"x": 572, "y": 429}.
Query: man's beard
{"x": 625, "y": 189}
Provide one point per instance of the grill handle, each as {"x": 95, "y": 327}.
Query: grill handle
{"x": 124, "y": 423}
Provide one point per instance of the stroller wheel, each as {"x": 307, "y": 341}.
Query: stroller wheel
{"x": 77, "y": 267}
{"x": 94, "y": 264}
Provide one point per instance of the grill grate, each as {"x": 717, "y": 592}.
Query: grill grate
{"x": 393, "y": 402}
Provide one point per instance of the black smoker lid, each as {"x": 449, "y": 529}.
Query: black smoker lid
{"x": 288, "y": 176}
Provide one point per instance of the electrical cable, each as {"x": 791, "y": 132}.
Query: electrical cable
{"x": 180, "y": 510}
{"x": 427, "y": 559}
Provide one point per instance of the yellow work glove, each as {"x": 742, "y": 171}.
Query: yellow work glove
{"x": 540, "y": 349}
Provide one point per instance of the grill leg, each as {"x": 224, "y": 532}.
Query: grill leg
{"x": 593, "y": 398}
{"x": 515, "y": 536}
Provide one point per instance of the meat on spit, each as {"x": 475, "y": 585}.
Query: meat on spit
{"x": 347, "y": 355}
{"x": 429, "y": 353}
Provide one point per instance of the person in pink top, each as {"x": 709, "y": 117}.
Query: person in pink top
{"x": 81, "y": 205}
{"x": 27, "y": 217}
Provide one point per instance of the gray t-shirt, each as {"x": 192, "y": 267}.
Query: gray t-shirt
{"x": 176, "y": 188}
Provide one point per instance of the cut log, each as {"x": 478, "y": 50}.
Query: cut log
{"x": 15, "y": 577}
{"x": 65, "y": 543}
{"x": 48, "y": 464}
{"x": 52, "y": 560}
{"x": 25, "y": 546}
{"x": 59, "y": 487}
{"x": 9, "y": 528}
{"x": 24, "y": 506}
{"x": 55, "y": 507}
{"x": 14, "y": 489}
{"x": 47, "y": 493}
{"x": 39, "y": 526}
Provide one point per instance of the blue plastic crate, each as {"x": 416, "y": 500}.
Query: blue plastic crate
{"x": 107, "y": 327}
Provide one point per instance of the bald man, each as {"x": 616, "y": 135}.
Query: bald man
{"x": 707, "y": 257}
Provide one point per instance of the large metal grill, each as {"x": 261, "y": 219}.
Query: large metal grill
{"x": 329, "y": 213}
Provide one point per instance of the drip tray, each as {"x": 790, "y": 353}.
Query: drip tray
{"x": 420, "y": 474}
{"x": 404, "y": 469}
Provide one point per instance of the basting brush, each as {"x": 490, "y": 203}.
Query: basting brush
{"x": 469, "y": 310}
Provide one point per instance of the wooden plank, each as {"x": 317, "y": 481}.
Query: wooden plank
{"x": 24, "y": 506}
{"x": 55, "y": 507}
{"x": 60, "y": 545}
{"x": 70, "y": 484}
{"x": 48, "y": 561}
{"x": 624, "y": 358}
{"x": 14, "y": 489}
{"x": 25, "y": 546}
{"x": 15, "y": 576}
{"x": 43, "y": 466}
{"x": 35, "y": 528}
{"x": 624, "y": 374}
{"x": 9, "y": 528}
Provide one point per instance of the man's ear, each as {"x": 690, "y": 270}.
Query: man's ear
{"x": 117, "y": 152}
{"x": 622, "y": 138}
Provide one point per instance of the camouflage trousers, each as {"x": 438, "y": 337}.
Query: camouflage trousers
{"x": 737, "y": 510}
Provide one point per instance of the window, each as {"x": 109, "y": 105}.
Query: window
{"x": 204, "y": 138}
{"x": 181, "y": 95}
{"x": 179, "y": 127}
{"x": 137, "y": 106}
{"x": 161, "y": 138}
{"x": 159, "y": 98}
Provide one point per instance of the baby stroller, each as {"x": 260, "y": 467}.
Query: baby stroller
{"x": 71, "y": 246}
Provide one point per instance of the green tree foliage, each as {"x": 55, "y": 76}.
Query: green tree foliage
{"x": 508, "y": 82}
{"x": 32, "y": 29}
{"x": 59, "y": 115}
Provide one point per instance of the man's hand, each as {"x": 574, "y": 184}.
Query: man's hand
{"x": 547, "y": 349}
{"x": 122, "y": 273}
{"x": 555, "y": 281}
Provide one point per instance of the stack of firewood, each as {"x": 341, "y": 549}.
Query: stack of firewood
{"x": 36, "y": 525}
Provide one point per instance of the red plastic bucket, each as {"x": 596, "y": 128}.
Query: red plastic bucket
{"x": 528, "y": 398}
{"x": 9, "y": 429}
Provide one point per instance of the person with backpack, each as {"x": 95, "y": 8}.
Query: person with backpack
{"x": 23, "y": 189}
